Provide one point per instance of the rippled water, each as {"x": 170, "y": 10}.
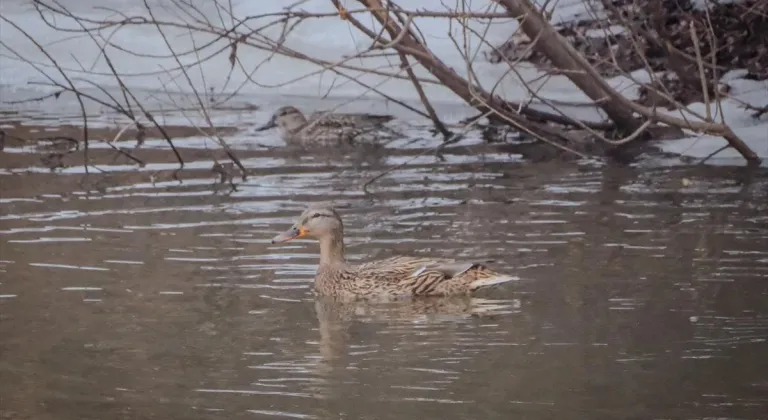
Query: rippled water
{"x": 127, "y": 294}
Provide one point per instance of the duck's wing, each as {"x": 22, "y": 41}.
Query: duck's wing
{"x": 448, "y": 268}
{"x": 410, "y": 275}
{"x": 424, "y": 276}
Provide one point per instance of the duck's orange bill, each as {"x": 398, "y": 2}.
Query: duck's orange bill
{"x": 289, "y": 235}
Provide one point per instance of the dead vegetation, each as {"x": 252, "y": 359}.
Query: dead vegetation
{"x": 666, "y": 37}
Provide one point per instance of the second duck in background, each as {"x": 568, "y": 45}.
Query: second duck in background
{"x": 323, "y": 129}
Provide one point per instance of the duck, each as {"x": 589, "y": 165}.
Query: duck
{"x": 391, "y": 278}
{"x": 322, "y": 129}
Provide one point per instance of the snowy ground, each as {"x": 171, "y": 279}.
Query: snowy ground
{"x": 278, "y": 78}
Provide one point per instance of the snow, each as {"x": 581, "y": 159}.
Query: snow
{"x": 278, "y": 78}
{"x": 702, "y": 4}
{"x": 752, "y": 130}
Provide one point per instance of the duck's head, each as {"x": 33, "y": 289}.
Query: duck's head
{"x": 315, "y": 222}
{"x": 286, "y": 118}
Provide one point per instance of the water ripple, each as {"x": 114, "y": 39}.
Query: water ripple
{"x": 630, "y": 281}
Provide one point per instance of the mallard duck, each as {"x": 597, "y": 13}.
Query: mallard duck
{"x": 322, "y": 129}
{"x": 392, "y": 277}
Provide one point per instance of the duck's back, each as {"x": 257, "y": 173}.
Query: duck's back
{"x": 395, "y": 267}
{"x": 329, "y": 132}
{"x": 340, "y": 129}
{"x": 357, "y": 119}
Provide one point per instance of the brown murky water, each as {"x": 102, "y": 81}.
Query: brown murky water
{"x": 127, "y": 295}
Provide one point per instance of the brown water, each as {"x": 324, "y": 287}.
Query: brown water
{"x": 644, "y": 291}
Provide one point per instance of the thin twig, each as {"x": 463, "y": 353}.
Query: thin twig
{"x": 424, "y": 100}
{"x": 702, "y": 75}
{"x": 63, "y": 74}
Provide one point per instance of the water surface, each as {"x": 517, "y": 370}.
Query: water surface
{"x": 127, "y": 294}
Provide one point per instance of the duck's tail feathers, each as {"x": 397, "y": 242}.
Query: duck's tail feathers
{"x": 492, "y": 281}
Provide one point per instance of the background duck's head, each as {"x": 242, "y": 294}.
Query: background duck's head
{"x": 316, "y": 222}
{"x": 286, "y": 119}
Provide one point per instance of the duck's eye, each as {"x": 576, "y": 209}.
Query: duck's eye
{"x": 316, "y": 215}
